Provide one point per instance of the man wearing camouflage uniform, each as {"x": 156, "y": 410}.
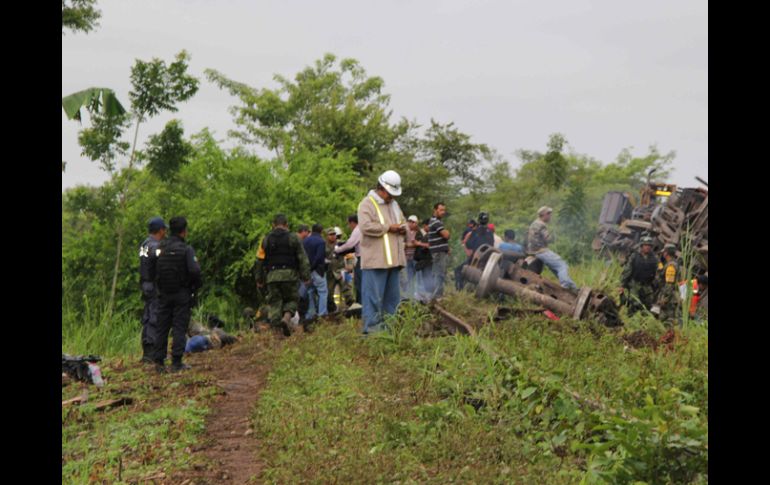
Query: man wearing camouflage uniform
{"x": 669, "y": 303}
{"x": 638, "y": 278}
{"x": 335, "y": 264}
{"x": 538, "y": 240}
{"x": 281, "y": 263}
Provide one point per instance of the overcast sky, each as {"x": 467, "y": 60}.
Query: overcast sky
{"x": 608, "y": 74}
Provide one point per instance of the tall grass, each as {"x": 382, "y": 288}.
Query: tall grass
{"x": 91, "y": 331}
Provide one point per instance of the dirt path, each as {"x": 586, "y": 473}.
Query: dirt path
{"x": 228, "y": 446}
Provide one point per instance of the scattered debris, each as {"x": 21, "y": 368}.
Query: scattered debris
{"x": 111, "y": 403}
{"x": 640, "y": 339}
{"x": 75, "y": 400}
{"x": 453, "y": 323}
{"x": 494, "y": 271}
{"x": 82, "y": 368}
{"x": 664, "y": 212}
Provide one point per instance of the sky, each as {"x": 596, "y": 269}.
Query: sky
{"x": 609, "y": 74}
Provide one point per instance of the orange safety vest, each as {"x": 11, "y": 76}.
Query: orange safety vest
{"x": 695, "y": 297}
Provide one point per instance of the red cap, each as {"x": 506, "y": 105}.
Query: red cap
{"x": 491, "y": 226}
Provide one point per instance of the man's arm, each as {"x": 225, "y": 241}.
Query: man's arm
{"x": 193, "y": 269}
{"x": 355, "y": 238}
{"x": 147, "y": 265}
{"x": 304, "y": 263}
{"x": 438, "y": 226}
{"x": 625, "y": 276}
{"x": 261, "y": 254}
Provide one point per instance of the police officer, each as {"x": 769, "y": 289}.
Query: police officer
{"x": 638, "y": 278}
{"x": 281, "y": 263}
{"x": 147, "y": 259}
{"x": 669, "y": 304}
{"x": 178, "y": 277}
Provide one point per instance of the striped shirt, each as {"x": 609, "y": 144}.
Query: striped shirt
{"x": 437, "y": 242}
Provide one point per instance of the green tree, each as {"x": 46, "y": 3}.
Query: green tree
{"x": 329, "y": 104}
{"x": 167, "y": 151}
{"x": 155, "y": 87}
{"x": 79, "y": 15}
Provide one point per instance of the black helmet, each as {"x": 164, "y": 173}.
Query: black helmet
{"x": 483, "y": 218}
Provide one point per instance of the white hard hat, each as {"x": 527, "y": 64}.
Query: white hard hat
{"x": 337, "y": 231}
{"x": 391, "y": 182}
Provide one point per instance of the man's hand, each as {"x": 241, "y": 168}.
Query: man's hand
{"x": 621, "y": 290}
{"x": 395, "y": 228}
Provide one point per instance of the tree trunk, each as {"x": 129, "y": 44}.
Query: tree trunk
{"x": 121, "y": 227}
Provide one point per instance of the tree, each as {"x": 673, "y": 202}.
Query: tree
{"x": 79, "y": 15}
{"x": 167, "y": 151}
{"x": 155, "y": 87}
{"x": 329, "y": 104}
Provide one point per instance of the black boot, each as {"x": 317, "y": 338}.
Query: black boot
{"x": 179, "y": 366}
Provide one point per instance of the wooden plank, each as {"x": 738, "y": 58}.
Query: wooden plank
{"x": 455, "y": 322}
{"x": 111, "y": 403}
{"x": 74, "y": 400}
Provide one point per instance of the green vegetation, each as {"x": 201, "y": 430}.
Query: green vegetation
{"x": 528, "y": 400}
{"x": 318, "y": 174}
{"x": 518, "y": 403}
{"x": 150, "y": 436}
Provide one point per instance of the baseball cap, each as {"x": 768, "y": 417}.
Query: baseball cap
{"x": 156, "y": 224}
{"x": 544, "y": 210}
{"x": 413, "y": 218}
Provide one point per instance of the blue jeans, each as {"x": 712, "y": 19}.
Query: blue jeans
{"x": 380, "y": 297}
{"x": 317, "y": 289}
{"x": 408, "y": 280}
{"x": 424, "y": 285}
{"x": 558, "y": 266}
{"x": 440, "y": 262}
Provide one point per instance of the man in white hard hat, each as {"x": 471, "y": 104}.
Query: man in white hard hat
{"x": 538, "y": 239}
{"x": 383, "y": 227}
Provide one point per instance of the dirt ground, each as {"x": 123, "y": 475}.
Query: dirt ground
{"x": 229, "y": 448}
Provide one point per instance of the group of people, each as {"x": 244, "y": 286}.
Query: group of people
{"x": 303, "y": 267}
{"x": 300, "y": 271}
{"x": 653, "y": 283}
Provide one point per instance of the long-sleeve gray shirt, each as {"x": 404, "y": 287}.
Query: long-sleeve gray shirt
{"x": 353, "y": 242}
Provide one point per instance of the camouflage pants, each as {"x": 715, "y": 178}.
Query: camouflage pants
{"x": 282, "y": 296}
{"x": 346, "y": 290}
{"x": 670, "y": 306}
{"x": 639, "y": 296}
